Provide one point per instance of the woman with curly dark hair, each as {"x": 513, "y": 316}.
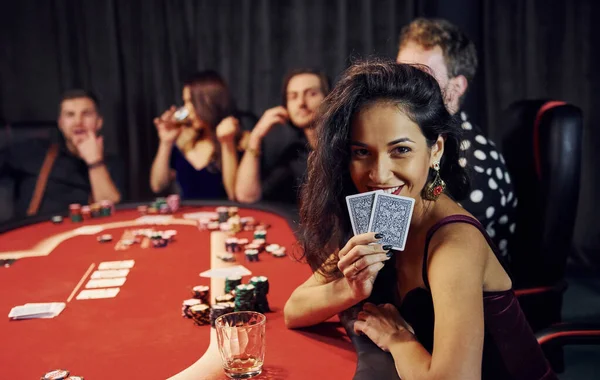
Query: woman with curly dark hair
{"x": 452, "y": 311}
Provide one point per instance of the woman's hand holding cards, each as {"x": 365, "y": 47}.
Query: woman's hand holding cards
{"x": 360, "y": 260}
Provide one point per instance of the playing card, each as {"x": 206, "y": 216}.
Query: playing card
{"x": 391, "y": 215}
{"x": 89, "y": 294}
{"x": 236, "y": 270}
{"x": 359, "y": 208}
{"x": 154, "y": 219}
{"x": 110, "y": 273}
{"x": 105, "y": 282}
{"x": 125, "y": 264}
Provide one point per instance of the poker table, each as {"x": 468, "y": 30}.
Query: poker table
{"x": 140, "y": 333}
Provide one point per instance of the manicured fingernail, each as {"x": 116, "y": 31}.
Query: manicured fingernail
{"x": 389, "y": 253}
{"x": 378, "y": 236}
{"x": 386, "y": 247}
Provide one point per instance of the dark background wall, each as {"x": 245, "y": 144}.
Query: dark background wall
{"x": 133, "y": 53}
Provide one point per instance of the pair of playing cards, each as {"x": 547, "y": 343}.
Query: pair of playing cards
{"x": 377, "y": 211}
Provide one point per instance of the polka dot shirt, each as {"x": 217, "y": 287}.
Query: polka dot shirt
{"x": 492, "y": 200}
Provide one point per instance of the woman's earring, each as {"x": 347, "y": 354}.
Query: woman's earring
{"x": 435, "y": 188}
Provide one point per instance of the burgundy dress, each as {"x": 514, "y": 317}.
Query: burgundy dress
{"x": 510, "y": 350}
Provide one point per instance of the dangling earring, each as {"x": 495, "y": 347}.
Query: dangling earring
{"x": 435, "y": 188}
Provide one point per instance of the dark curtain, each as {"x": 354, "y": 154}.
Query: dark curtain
{"x": 134, "y": 53}
{"x": 548, "y": 50}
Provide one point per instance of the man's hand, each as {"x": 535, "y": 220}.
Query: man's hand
{"x": 271, "y": 117}
{"x": 91, "y": 148}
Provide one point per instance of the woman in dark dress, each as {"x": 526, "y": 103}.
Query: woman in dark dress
{"x": 200, "y": 152}
{"x": 451, "y": 310}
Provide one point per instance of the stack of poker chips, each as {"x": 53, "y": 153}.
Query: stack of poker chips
{"x": 201, "y": 292}
{"x": 185, "y": 307}
{"x": 235, "y": 224}
{"x": 261, "y": 289}
{"x": 106, "y": 208}
{"x": 173, "y": 201}
{"x": 225, "y": 298}
{"x": 244, "y": 297}
{"x": 248, "y": 223}
{"x": 260, "y": 234}
{"x": 231, "y": 283}
{"x": 219, "y": 309}
{"x": 159, "y": 239}
{"x": 251, "y": 254}
{"x": 95, "y": 208}
{"x": 223, "y": 214}
{"x": 200, "y": 314}
{"x": 232, "y": 211}
{"x": 232, "y": 245}
{"x": 86, "y": 212}
{"x": 75, "y": 212}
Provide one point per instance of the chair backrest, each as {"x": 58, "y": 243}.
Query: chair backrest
{"x": 542, "y": 146}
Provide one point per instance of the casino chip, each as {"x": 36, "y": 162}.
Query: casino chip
{"x": 251, "y": 255}
{"x": 244, "y": 297}
{"x": 280, "y": 252}
{"x": 261, "y": 289}
{"x": 57, "y": 219}
{"x": 200, "y": 314}
{"x": 227, "y": 257}
{"x": 75, "y": 378}
{"x": 57, "y": 374}
{"x": 231, "y": 283}
{"x": 201, "y": 292}
{"x": 272, "y": 248}
{"x": 225, "y": 298}
{"x": 159, "y": 243}
{"x": 105, "y": 238}
{"x": 219, "y": 309}
{"x": 185, "y": 307}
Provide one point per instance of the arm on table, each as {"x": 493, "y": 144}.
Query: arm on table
{"x": 322, "y": 297}
{"x": 317, "y": 300}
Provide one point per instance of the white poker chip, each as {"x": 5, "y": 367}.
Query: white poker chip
{"x": 104, "y": 238}
{"x": 57, "y": 374}
{"x": 272, "y": 248}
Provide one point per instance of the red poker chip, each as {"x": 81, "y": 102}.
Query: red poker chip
{"x": 57, "y": 374}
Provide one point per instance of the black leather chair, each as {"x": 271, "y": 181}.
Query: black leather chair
{"x": 11, "y": 134}
{"x": 542, "y": 146}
